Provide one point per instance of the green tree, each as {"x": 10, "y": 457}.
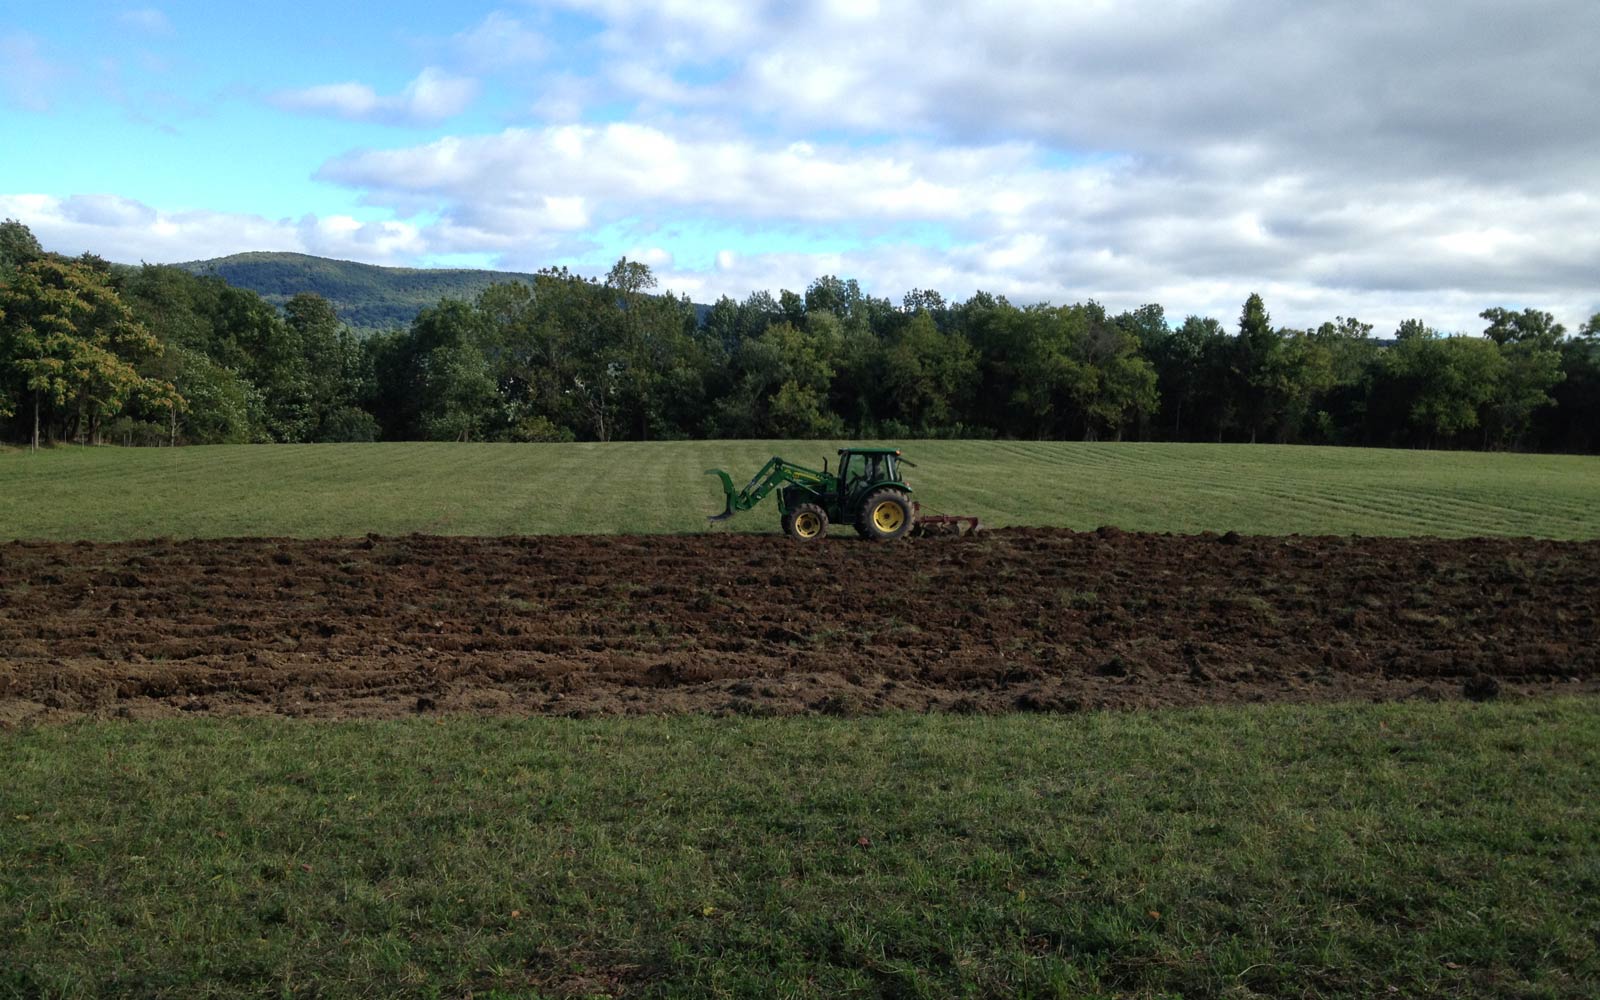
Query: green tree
{"x": 17, "y": 247}
{"x": 807, "y": 360}
{"x": 323, "y": 389}
{"x": 657, "y": 356}
{"x": 843, "y": 299}
{"x": 1188, "y": 363}
{"x": 791, "y": 308}
{"x": 1529, "y": 342}
{"x": 1574, "y": 422}
{"x": 576, "y": 327}
{"x": 221, "y": 408}
{"x": 1261, "y": 374}
{"x": 1530, "y": 326}
{"x": 781, "y": 383}
{"x": 455, "y": 392}
{"x": 929, "y": 375}
{"x": 722, "y": 323}
{"x": 1118, "y": 383}
{"x": 758, "y": 311}
{"x": 925, "y": 300}
{"x": 185, "y": 313}
{"x": 70, "y": 345}
{"x": 174, "y": 305}
{"x": 1445, "y": 383}
{"x": 1338, "y": 407}
{"x": 1033, "y": 352}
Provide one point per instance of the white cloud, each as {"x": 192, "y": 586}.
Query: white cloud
{"x": 626, "y": 169}
{"x": 1463, "y": 88}
{"x": 123, "y": 229}
{"x": 147, "y": 19}
{"x": 1425, "y": 159}
{"x": 658, "y": 259}
{"x": 105, "y": 210}
{"x": 432, "y": 96}
{"x": 1013, "y": 221}
{"x": 501, "y": 41}
{"x": 435, "y": 95}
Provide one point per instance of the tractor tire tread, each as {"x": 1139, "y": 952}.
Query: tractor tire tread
{"x": 795, "y": 512}
{"x": 868, "y": 530}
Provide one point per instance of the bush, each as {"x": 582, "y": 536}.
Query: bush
{"x": 348, "y": 423}
{"x": 540, "y": 428}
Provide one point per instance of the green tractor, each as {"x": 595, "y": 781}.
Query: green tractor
{"x": 867, "y": 493}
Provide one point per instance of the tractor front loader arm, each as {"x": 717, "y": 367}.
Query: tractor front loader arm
{"x": 775, "y": 473}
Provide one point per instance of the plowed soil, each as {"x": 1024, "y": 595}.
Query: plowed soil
{"x": 1033, "y": 620}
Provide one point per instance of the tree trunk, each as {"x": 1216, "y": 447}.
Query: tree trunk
{"x": 172, "y": 438}
{"x": 36, "y": 420}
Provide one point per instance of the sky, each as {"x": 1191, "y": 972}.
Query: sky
{"x": 1362, "y": 158}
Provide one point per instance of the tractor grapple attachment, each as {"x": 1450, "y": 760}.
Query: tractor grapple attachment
{"x": 727, "y": 487}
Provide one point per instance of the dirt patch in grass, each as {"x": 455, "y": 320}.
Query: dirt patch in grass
{"x": 1011, "y": 620}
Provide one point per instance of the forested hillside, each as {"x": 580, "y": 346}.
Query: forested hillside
{"x": 91, "y": 351}
{"x": 365, "y": 296}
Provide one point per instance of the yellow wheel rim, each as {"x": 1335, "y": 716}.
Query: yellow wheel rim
{"x": 807, "y": 525}
{"x": 888, "y": 516}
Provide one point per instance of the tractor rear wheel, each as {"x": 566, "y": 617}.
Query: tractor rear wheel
{"x": 885, "y": 516}
{"x": 806, "y": 522}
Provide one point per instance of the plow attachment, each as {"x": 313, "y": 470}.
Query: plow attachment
{"x": 930, "y": 525}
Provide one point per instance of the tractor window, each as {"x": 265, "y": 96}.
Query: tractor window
{"x": 869, "y": 468}
{"x": 854, "y": 468}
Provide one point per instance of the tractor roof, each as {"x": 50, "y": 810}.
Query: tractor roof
{"x": 870, "y": 451}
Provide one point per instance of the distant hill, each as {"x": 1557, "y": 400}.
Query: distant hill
{"x": 365, "y": 296}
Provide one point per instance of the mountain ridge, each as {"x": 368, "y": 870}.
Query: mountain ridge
{"x": 366, "y": 296}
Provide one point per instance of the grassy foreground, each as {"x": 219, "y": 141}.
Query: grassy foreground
{"x": 1433, "y": 849}
{"x": 471, "y": 489}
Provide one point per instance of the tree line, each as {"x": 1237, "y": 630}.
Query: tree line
{"x": 93, "y": 352}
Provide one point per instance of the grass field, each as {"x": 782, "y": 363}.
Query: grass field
{"x": 1392, "y": 850}
{"x": 343, "y": 490}
{"x": 1452, "y": 850}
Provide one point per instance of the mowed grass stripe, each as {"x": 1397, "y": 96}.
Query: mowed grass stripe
{"x": 1247, "y": 492}
{"x": 1390, "y": 511}
{"x": 653, "y": 487}
{"x": 1397, "y": 511}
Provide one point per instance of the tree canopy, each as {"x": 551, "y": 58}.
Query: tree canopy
{"x": 91, "y": 351}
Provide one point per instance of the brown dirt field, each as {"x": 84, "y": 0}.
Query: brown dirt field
{"x": 1020, "y": 619}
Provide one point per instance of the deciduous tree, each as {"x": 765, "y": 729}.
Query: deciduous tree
{"x": 70, "y": 345}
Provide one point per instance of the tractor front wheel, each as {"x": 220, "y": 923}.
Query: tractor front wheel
{"x": 806, "y": 521}
{"x": 885, "y": 516}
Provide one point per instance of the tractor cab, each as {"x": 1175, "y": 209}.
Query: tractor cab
{"x": 861, "y": 469}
